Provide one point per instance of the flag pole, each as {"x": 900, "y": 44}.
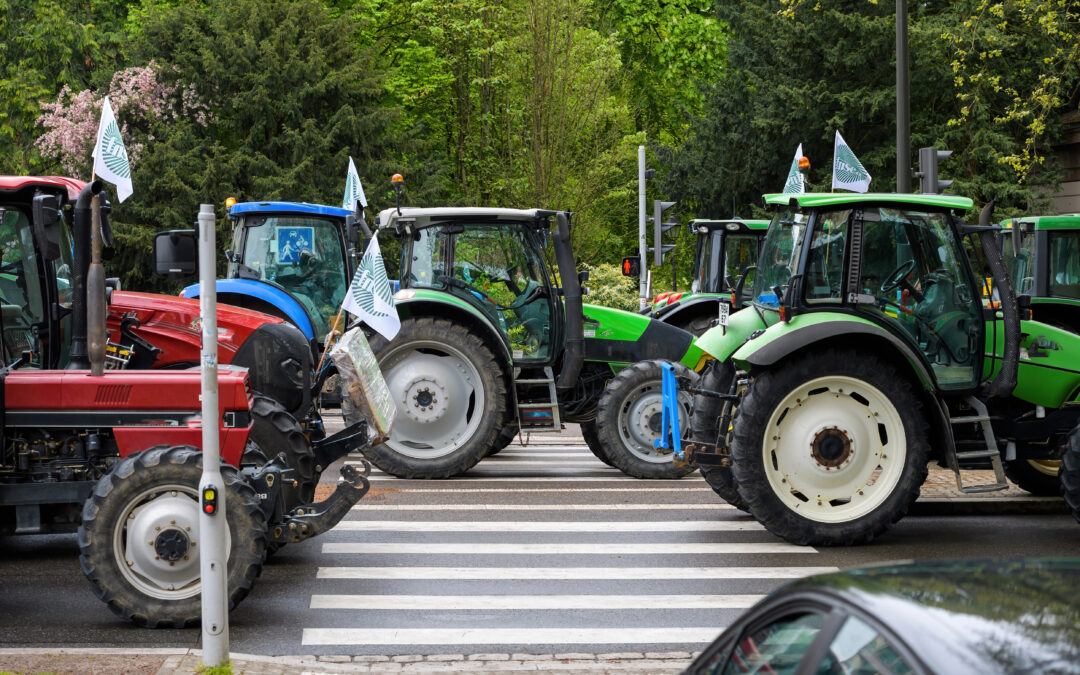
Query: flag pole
{"x": 329, "y": 340}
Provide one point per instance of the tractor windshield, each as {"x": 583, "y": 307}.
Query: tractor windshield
{"x": 22, "y": 301}
{"x": 779, "y": 256}
{"x": 495, "y": 267}
{"x": 721, "y": 257}
{"x": 301, "y": 255}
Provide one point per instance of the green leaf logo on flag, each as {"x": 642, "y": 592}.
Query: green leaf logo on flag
{"x": 848, "y": 171}
{"x": 794, "y": 184}
{"x": 113, "y": 153}
{"x": 370, "y": 297}
{"x": 365, "y": 289}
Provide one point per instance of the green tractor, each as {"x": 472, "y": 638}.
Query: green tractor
{"x": 866, "y": 351}
{"x": 726, "y": 249}
{"x": 1043, "y": 257}
{"x": 491, "y": 345}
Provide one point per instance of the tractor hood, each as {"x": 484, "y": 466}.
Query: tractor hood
{"x": 720, "y": 342}
{"x": 619, "y": 336}
{"x": 172, "y": 324}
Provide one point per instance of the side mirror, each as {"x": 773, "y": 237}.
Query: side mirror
{"x": 47, "y": 225}
{"x": 176, "y": 254}
{"x": 1016, "y": 237}
{"x": 107, "y": 248}
{"x": 740, "y": 284}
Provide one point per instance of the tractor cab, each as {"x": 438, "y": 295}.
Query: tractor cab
{"x": 491, "y": 260}
{"x": 290, "y": 260}
{"x": 725, "y": 249}
{"x": 1043, "y": 256}
{"x": 895, "y": 261}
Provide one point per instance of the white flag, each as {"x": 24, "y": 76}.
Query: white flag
{"x": 847, "y": 171}
{"x": 110, "y": 156}
{"x": 794, "y": 184}
{"x": 369, "y": 297}
{"x": 354, "y": 191}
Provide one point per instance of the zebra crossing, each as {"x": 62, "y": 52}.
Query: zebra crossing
{"x": 541, "y": 549}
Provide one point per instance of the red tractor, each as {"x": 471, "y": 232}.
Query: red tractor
{"x": 116, "y": 456}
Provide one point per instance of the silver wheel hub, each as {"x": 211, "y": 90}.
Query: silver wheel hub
{"x": 425, "y": 400}
{"x": 639, "y": 422}
{"x": 161, "y": 543}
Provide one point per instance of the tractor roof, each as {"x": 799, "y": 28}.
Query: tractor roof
{"x": 1068, "y": 221}
{"x": 73, "y": 186}
{"x": 426, "y": 216}
{"x": 820, "y": 199}
{"x": 288, "y": 207}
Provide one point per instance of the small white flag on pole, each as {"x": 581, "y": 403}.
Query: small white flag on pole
{"x": 110, "y": 156}
{"x": 794, "y": 184}
{"x": 354, "y": 191}
{"x": 847, "y": 171}
{"x": 369, "y": 297}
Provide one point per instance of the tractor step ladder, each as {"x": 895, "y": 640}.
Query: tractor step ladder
{"x": 982, "y": 418}
{"x": 537, "y": 414}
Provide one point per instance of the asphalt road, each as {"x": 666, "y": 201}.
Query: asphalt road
{"x": 540, "y": 549}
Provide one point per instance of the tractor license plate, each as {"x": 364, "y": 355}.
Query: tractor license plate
{"x": 724, "y": 311}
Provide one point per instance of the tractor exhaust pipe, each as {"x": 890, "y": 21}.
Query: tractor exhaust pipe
{"x": 95, "y": 294}
{"x": 571, "y": 286}
{"x": 78, "y": 358}
{"x": 310, "y": 520}
{"x": 1005, "y": 381}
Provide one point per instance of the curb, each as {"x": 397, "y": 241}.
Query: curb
{"x": 955, "y": 506}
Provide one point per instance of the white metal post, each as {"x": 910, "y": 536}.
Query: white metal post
{"x": 214, "y": 556}
{"x": 643, "y": 247}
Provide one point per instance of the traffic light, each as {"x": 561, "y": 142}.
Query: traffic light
{"x": 631, "y": 266}
{"x": 659, "y": 248}
{"x": 929, "y": 183}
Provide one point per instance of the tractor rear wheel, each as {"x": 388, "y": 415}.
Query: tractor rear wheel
{"x": 506, "y": 437}
{"x": 450, "y": 395}
{"x": 592, "y": 439}
{"x": 139, "y": 540}
{"x": 830, "y": 449}
{"x": 704, "y": 428}
{"x": 275, "y": 431}
{"x": 628, "y": 418}
{"x": 1037, "y": 476}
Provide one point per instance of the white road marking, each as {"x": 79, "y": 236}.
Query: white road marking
{"x": 381, "y": 478}
{"x": 368, "y": 506}
{"x": 531, "y": 602}
{"x": 566, "y": 573}
{"x": 476, "y": 548}
{"x": 453, "y": 489}
{"x": 509, "y": 636}
{"x": 549, "y": 526}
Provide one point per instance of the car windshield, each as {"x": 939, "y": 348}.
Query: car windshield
{"x": 779, "y": 256}
{"x": 300, "y": 254}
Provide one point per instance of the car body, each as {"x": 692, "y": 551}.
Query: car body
{"x": 982, "y": 616}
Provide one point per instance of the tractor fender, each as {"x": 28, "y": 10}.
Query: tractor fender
{"x": 621, "y": 337}
{"x": 720, "y": 342}
{"x": 291, "y": 310}
{"x": 803, "y": 331}
{"x": 688, "y": 306}
{"x": 423, "y": 302}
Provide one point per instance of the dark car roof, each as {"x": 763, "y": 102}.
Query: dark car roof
{"x": 977, "y": 616}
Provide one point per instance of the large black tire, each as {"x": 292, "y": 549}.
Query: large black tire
{"x": 274, "y": 431}
{"x": 705, "y": 428}
{"x": 628, "y": 420}
{"x": 1037, "y": 476}
{"x": 592, "y": 439}
{"x": 1070, "y": 473}
{"x": 830, "y": 448}
{"x": 505, "y": 438}
{"x": 697, "y": 324}
{"x": 451, "y": 399}
{"x": 152, "y": 496}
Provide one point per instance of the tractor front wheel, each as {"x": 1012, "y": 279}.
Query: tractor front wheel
{"x": 705, "y": 428}
{"x": 139, "y": 542}
{"x": 592, "y": 439}
{"x": 450, "y": 395}
{"x": 1070, "y": 473}
{"x": 830, "y": 449}
{"x": 628, "y": 417}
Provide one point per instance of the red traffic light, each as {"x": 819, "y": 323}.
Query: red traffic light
{"x": 631, "y": 267}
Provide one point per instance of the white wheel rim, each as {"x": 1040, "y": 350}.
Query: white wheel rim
{"x": 149, "y": 522}
{"x": 439, "y": 398}
{"x": 639, "y": 416}
{"x": 834, "y": 449}
{"x": 1047, "y": 467}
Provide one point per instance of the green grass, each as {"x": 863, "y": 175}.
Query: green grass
{"x": 225, "y": 669}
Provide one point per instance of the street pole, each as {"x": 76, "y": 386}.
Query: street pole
{"x": 214, "y": 557}
{"x": 903, "y": 102}
{"x": 642, "y": 237}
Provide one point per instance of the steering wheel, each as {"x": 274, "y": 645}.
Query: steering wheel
{"x": 898, "y": 277}
{"x": 465, "y": 286}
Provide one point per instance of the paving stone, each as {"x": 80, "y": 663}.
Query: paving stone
{"x": 370, "y": 658}
{"x": 489, "y": 657}
{"x": 532, "y": 657}
{"x": 335, "y": 658}
{"x": 406, "y": 658}
{"x": 620, "y": 656}
{"x": 576, "y": 655}
{"x": 446, "y": 657}
{"x": 668, "y": 655}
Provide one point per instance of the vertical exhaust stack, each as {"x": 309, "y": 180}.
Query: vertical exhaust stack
{"x": 575, "y": 322}
{"x": 1005, "y": 381}
{"x": 81, "y": 226}
{"x": 95, "y": 293}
